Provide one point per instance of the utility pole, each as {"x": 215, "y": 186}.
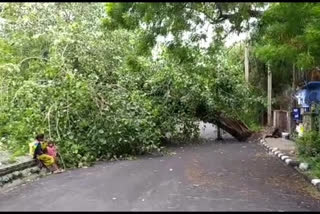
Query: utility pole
{"x": 291, "y": 124}
{"x": 269, "y": 96}
{"x": 246, "y": 61}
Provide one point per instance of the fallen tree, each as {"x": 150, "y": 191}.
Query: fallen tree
{"x": 238, "y": 129}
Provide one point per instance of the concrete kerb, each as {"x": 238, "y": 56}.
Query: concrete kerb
{"x": 280, "y": 155}
{"x": 293, "y": 163}
{"x": 17, "y": 167}
{"x": 12, "y": 175}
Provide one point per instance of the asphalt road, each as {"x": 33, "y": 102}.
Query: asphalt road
{"x": 228, "y": 176}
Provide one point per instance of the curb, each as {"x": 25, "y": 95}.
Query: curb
{"x": 17, "y": 178}
{"x": 17, "y": 167}
{"x": 289, "y": 162}
{"x": 16, "y": 174}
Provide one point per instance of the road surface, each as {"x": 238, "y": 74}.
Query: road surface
{"x": 228, "y": 176}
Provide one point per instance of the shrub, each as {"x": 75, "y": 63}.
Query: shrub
{"x": 309, "y": 144}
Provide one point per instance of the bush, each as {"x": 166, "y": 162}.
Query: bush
{"x": 309, "y": 151}
{"x": 309, "y": 144}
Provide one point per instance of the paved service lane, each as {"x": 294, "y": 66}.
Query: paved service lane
{"x": 227, "y": 176}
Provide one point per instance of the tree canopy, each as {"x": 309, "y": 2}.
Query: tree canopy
{"x": 181, "y": 19}
{"x": 290, "y": 33}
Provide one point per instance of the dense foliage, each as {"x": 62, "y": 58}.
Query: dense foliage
{"x": 100, "y": 93}
{"x": 290, "y": 33}
{"x": 288, "y": 36}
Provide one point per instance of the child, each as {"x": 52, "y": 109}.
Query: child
{"x": 52, "y": 151}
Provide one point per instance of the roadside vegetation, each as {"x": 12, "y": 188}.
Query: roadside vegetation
{"x": 96, "y": 78}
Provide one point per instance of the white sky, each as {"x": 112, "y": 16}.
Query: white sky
{"x": 234, "y": 38}
{"x": 230, "y": 40}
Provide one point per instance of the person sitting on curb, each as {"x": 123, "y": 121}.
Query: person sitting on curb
{"x": 39, "y": 154}
{"x": 52, "y": 150}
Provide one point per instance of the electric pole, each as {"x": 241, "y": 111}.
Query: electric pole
{"x": 269, "y": 96}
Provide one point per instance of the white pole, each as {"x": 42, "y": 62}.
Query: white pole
{"x": 269, "y": 96}
{"x": 246, "y": 62}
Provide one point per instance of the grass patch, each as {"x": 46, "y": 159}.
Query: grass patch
{"x": 19, "y": 152}
{"x": 12, "y": 160}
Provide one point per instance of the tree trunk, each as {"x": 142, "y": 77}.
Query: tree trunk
{"x": 219, "y": 133}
